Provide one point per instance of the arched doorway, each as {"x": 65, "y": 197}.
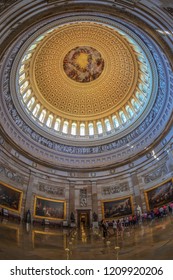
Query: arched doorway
{"x": 83, "y": 218}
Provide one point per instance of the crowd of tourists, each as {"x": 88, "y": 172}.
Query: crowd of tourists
{"x": 119, "y": 225}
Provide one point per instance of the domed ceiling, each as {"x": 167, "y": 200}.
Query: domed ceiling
{"x": 84, "y": 69}
{"x": 85, "y": 78}
{"x": 85, "y": 89}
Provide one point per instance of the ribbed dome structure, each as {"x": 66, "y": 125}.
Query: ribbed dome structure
{"x": 48, "y": 84}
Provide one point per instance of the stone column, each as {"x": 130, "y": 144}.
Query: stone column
{"x": 170, "y": 159}
{"x": 136, "y": 190}
{"x": 29, "y": 201}
{"x": 71, "y": 199}
{"x": 94, "y": 198}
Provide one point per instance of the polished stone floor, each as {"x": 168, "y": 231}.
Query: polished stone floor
{"x": 148, "y": 241}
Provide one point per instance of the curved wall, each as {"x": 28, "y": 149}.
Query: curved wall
{"x": 111, "y": 171}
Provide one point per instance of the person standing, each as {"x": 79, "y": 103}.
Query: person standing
{"x": 120, "y": 228}
{"x": 171, "y": 207}
{"x": 105, "y": 229}
{"x": 114, "y": 226}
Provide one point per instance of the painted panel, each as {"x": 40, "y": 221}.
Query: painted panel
{"x": 117, "y": 208}
{"x": 49, "y": 208}
{"x": 10, "y": 198}
{"x": 159, "y": 195}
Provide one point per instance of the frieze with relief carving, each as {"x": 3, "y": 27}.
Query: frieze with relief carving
{"x": 4, "y": 4}
{"x": 11, "y": 174}
{"x": 169, "y": 10}
{"x": 121, "y": 187}
{"x": 156, "y": 174}
{"x": 51, "y": 190}
{"x": 83, "y": 197}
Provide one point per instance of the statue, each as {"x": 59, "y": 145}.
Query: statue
{"x": 72, "y": 217}
{"x": 139, "y": 213}
{"x": 95, "y": 223}
{"x": 28, "y": 217}
{"x": 72, "y": 220}
{"x": 95, "y": 217}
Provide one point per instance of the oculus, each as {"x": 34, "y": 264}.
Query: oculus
{"x": 83, "y": 64}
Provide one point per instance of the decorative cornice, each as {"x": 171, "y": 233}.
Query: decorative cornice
{"x": 10, "y": 174}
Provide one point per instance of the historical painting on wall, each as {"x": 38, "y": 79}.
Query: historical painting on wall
{"x": 10, "y": 198}
{"x": 117, "y": 208}
{"x": 49, "y": 208}
{"x": 159, "y": 195}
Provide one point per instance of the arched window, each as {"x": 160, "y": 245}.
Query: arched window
{"x": 122, "y": 116}
{"x": 49, "y": 121}
{"x": 26, "y": 95}
{"x": 22, "y": 77}
{"x": 57, "y": 124}
{"x": 65, "y": 127}
{"x": 42, "y": 116}
{"x": 115, "y": 122}
{"x": 21, "y": 68}
{"x": 36, "y": 110}
{"x": 140, "y": 97}
{"x": 30, "y": 103}
{"x": 143, "y": 88}
{"x": 73, "y": 128}
{"x": 99, "y": 128}
{"x": 50, "y": 30}
{"x": 129, "y": 111}
{"x": 40, "y": 38}
{"x": 26, "y": 57}
{"x": 135, "y": 105}
{"x": 82, "y": 129}
{"x": 91, "y": 129}
{"x": 108, "y": 125}
{"x": 23, "y": 86}
{"x": 142, "y": 77}
{"x": 144, "y": 69}
{"x": 33, "y": 46}
{"x": 142, "y": 59}
{"x": 136, "y": 48}
{"x": 145, "y": 79}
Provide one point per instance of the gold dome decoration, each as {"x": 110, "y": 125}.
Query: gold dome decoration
{"x": 84, "y": 79}
{"x": 63, "y": 96}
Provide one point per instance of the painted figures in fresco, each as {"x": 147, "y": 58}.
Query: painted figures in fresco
{"x": 10, "y": 198}
{"x": 83, "y": 64}
{"x": 160, "y": 195}
{"x": 49, "y": 208}
{"x": 117, "y": 208}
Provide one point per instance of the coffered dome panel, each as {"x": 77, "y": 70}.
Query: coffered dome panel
{"x": 66, "y": 96}
{"x": 86, "y": 78}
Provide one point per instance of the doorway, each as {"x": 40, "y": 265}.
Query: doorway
{"x": 83, "y": 218}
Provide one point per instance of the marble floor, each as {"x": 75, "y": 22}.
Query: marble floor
{"x": 149, "y": 241}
